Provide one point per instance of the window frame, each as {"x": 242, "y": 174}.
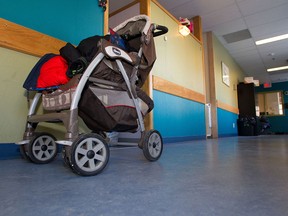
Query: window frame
{"x": 266, "y": 112}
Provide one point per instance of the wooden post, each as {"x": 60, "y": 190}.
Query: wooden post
{"x": 197, "y": 22}
{"x": 210, "y": 85}
{"x": 145, "y": 8}
{"x": 106, "y": 19}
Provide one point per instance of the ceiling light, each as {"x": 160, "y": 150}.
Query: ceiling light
{"x": 272, "y": 39}
{"x": 277, "y": 68}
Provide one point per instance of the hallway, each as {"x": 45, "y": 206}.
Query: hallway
{"x": 230, "y": 176}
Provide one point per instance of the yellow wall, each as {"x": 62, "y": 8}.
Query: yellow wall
{"x": 179, "y": 59}
{"x": 224, "y": 93}
{"x": 14, "y": 69}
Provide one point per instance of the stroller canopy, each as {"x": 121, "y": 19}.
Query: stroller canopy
{"x": 137, "y": 31}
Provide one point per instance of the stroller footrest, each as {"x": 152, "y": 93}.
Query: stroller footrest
{"x": 49, "y": 117}
{"x": 64, "y": 142}
{"x": 22, "y": 142}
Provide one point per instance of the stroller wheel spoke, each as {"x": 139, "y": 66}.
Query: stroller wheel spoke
{"x": 82, "y": 151}
{"x": 37, "y": 148}
{"x": 92, "y": 164}
{"x": 50, "y": 148}
{"x": 99, "y": 157}
{"x": 46, "y": 154}
{"x": 82, "y": 161}
{"x": 98, "y": 148}
{"x": 89, "y": 144}
{"x": 38, "y": 154}
{"x": 41, "y": 141}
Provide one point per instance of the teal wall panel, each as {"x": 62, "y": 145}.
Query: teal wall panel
{"x": 227, "y": 123}
{"x": 68, "y": 20}
{"x": 177, "y": 118}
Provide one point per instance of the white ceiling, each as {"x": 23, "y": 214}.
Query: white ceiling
{"x": 263, "y": 18}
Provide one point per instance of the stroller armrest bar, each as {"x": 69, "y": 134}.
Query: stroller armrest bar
{"x": 161, "y": 30}
{"x": 114, "y": 52}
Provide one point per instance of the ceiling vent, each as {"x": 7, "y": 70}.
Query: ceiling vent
{"x": 237, "y": 36}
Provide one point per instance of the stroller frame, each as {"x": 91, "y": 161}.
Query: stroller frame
{"x": 88, "y": 154}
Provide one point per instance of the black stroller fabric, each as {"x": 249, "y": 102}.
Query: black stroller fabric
{"x": 79, "y": 57}
{"x": 97, "y": 117}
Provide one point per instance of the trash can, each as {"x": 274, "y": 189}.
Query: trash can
{"x": 247, "y": 126}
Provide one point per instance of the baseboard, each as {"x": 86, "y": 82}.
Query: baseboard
{"x": 9, "y": 151}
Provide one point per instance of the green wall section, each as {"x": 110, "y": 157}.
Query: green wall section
{"x": 15, "y": 67}
{"x": 179, "y": 59}
{"x": 68, "y": 20}
{"x": 224, "y": 93}
{"x": 227, "y": 121}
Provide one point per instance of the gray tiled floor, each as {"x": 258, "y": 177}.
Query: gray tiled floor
{"x": 229, "y": 176}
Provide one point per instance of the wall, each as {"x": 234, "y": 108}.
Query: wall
{"x": 227, "y": 119}
{"x": 121, "y": 16}
{"x": 179, "y": 63}
{"x": 278, "y": 123}
{"x": 66, "y": 20}
{"x": 224, "y": 93}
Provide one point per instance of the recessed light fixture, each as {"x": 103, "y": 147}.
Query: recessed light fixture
{"x": 272, "y": 39}
{"x": 277, "y": 68}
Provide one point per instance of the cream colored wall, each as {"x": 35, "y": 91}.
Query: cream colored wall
{"x": 124, "y": 15}
{"x": 179, "y": 59}
{"x": 15, "y": 67}
{"x": 224, "y": 93}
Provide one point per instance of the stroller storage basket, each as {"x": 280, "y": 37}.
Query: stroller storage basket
{"x": 61, "y": 98}
{"x": 110, "y": 109}
{"x": 58, "y": 100}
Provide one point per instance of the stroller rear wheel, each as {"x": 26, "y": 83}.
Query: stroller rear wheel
{"x": 66, "y": 152}
{"x": 42, "y": 148}
{"x": 24, "y": 152}
{"x": 89, "y": 154}
{"x": 152, "y": 145}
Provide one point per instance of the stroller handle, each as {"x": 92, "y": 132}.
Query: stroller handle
{"x": 161, "y": 30}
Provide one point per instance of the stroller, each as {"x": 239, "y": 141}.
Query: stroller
{"x": 107, "y": 96}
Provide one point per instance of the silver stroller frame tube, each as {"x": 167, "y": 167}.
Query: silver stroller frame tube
{"x": 134, "y": 99}
{"x": 69, "y": 118}
{"x": 72, "y": 124}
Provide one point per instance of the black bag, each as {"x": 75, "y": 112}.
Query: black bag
{"x": 99, "y": 117}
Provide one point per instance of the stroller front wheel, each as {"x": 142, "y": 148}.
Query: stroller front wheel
{"x": 89, "y": 154}
{"x": 152, "y": 145}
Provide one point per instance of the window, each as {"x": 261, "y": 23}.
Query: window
{"x": 269, "y": 103}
